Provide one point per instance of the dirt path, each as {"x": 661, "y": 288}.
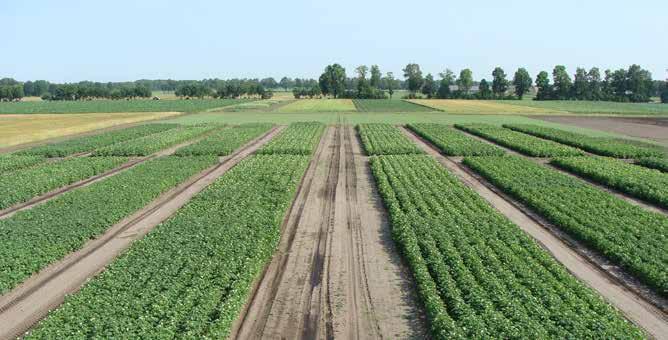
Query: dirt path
{"x": 575, "y": 258}
{"x": 24, "y": 306}
{"x": 334, "y": 275}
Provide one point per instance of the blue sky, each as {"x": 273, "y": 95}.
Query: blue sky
{"x": 105, "y": 40}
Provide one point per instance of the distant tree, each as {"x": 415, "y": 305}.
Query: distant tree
{"x": 499, "y": 83}
{"x": 664, "y": 94}
{"x": 618, "y": 85}
{"x": 390, "y": 83}
{"x": 375, "y": 79}
{"x": 580, "y": 87}
{"x": 606, "y": 86}
{"x": 447, "y": 79}
{"x": 544, "y": 87}
{"x": 364, "y": 90}
{"x": 562, "y": 82}
{"x": 594, "y": 85}
{"x": 269, "y": 83}
{"x": 639, "y": 84}
{"x": 465, "y": 81}
{"x": 484, "y": 92}
{"x": 332, "y": 81}
{"x": 429, "y": 86}
{"x": 522, "y": 82}
{"x": 413, "y": 76}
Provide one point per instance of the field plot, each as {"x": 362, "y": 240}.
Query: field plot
{"x": 224, "y": 142}
{"x": 460, "y": 106}
{"x": 526, "y": 144}
{"x": 318, "y": 105}
{"x": 477, "y": 273}
{"x": 21, "y": 185}
{"x": 90, "y": 143}
{"x": 15, "y": 162}
{"x": 600, "y": 146}
{"x": 147, "y": 145}
{"x": 629, "y": 236}
{"x": 21, "y": 129}
{"x": 385, "y": 139}
{"x": 111, "y": 106}
{"x": 590, "y": 107}
{"x": 191, "y": 276}
{"x": 654, "y": 163}
{"x": 296, "y": 139}
{"x": 646, "y": 184}
{"x": 386, "y": 105}
{"x": 452, "y": 142}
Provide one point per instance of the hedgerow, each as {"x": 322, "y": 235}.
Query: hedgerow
{"x": 452, "y": 142}
{"x": 626, "y": 234}
{"x": 189, "y": 277}
{"x": 13, "y": 162}
{"x": 224, "y": 142}
{"x": 147, "y": 145}
{"x": 526, "y": 144}
{"x": 297, "y": 139}
{"x": 385, "y": 139}
{"x": 479, "y": 275}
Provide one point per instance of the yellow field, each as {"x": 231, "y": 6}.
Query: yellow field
{"x": 457, "y": 106}
{"x": 319, "y": 105}
{"x": 26, "y": 128}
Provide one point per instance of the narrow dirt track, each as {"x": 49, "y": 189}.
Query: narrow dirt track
{"x": 574, "y": 258}
{"x": 24, "y": 306}
{"x": 335, "y": 274}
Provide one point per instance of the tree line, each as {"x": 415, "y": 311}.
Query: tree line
{"x": 218, "y": 88}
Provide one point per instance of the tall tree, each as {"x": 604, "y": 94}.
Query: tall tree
{"x": 363, "y": 87}
{"x": 580, "y": 86}
{"x": 499, "y": 83}
{"x": 544, "y": 87}
{"x": 332, "y": 81}
{"x": 429, "y": 86}
{"x": 374, "y": 81}
{"x": 639, "y": 84}
{"x": 447, "y": 79}
{"x": 562, "y": 82}
{"x": 465, "y": 81}
{"x": 286, "y": 83}
{"x": 484, "y": 92}
{"x": 522, "y": 82}
{"x": 390, "y": 83}
{"x": 594, "y": 86}
{"x": 413, "y": 76}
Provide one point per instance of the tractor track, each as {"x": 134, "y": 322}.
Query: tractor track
{"x": 27, "y": 304}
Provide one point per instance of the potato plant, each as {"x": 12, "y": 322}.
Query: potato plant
{"x": 385, "y": 139}
{"x": 297, "y": 139}
{"x": 13, "y": 162}
{"x": 224, "y": 142}
{"x": 654, "y": 163}
{"x": 147, "y": 145}
{"x": 454, "y": 143}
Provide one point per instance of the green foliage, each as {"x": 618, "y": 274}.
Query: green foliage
{"x": 429, "y": 86}
{"x": 35, "y": 238}
{"x": 522, "y": 82}
{"x": 385, "y": 139}
{"x": 91, "y": 106}
{"x": 499, "y": 83}
{"x": 224, "y": 142}
{"x": 90, "y": 143}
{"x": 332, "y": 81}
{"x": 626, "y": 234}
{"x": 526, "y": 144}
{"x": 147, "y": 145}
{"x": 465, "y": 81}
{"x": 454, "y": 143}
{"x": 654, "y": 163}
{"x": 413, "y": 76}
{"x": 647, "y": 184}
{"x": 600, "y": 146}
{"x": 385, "y": 105}
{"x": 195, "y": 271}
{"x": 477, "y": 274}
{"x": 14, "y": 162}
{"x": 594, "y": 107}
{"x": 21, "y": 185}
{"x": 297, "y": 139}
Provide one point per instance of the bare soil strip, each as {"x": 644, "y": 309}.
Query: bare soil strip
{"x": 637, "y": 303}
{"x": 336, "y": 273}
{"x": 24, "y": 306}
{"x": 6, "y": 213}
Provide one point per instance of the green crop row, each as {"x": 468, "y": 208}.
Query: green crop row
{"x": 526, "y": 144}
{"x": 647, "y": 184}
{"x": 385, "y": 139}
{"x": 224, "y": 142}
{"x": 478, "y": 274}
{"x": 32, "y": 239}
{"x": 386, "y": 105}
{"x": 24, "y": 184}
{"x": 654, "y": 163}
{"x": 297, "y": 139}
{"x": 90, "y": 143}
{"x": 189, "y": 277}
{"x": 13, "y": 162}
{"x": 147, "y": 145}
{"x": 600, "y": 146}
{"x": 105, "y": 106}
{"x": 626, "y": 234}
{"x": 452, "y": 142}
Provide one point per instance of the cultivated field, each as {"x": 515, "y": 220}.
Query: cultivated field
{"x": 457, "y": 106}
{"x": 328, "y": 219}
{"x": 107, "y": 106}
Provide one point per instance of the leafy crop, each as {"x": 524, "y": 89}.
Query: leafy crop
{"x": 478, "y": 274}
{"x": 147, "y": 145}
{"x": 526, "y": 144}
{"x": 14, "y": 162}
{"x": 600, "y": 146}
{"x": 318, "y": 105}
{"x": 385, "y": 139}
{"x": 224, "y": 142}
{"x": 454, "y": 143}
{"x": 90, "y": 143}
{"x": 654, "y": 163}
{"x": 90, "y": 106}
{"x": 190, "y": 276}
{"x": 386, "y": 105}
{"x": 34, "y": 238}
{"x": 22, "y": 185}
{"x": 626, "y": 234}
{"x": 647, "y": 184}
{"x": 296, "y": 139}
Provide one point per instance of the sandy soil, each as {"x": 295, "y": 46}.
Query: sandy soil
{"x": 649, "y": 128}
{"x": 24, "y": 306}
{"x": 575, "y": 258}
{"x": 336, "y": 273}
